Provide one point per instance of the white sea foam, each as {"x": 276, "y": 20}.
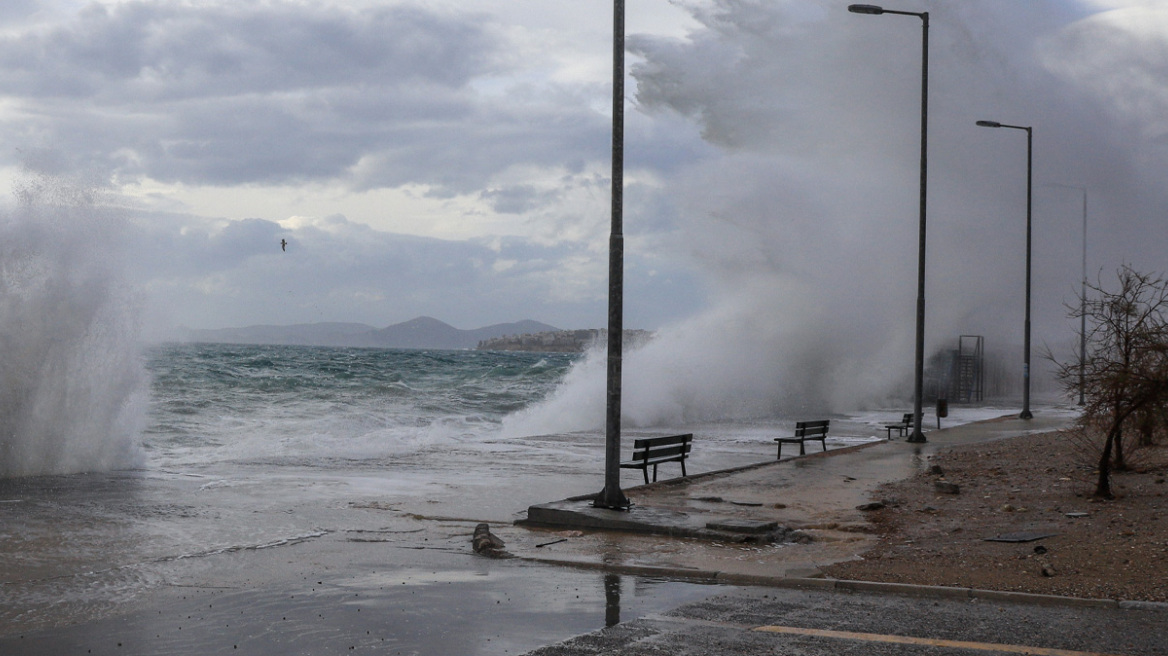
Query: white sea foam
{"x": 273, "y": 404}
{"x": 72, "y": 387}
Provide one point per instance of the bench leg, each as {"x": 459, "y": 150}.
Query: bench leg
{"x": 645, "y": 471}
{"x": 802, "y": 452}
{"x": 823, "y": 443}
{"x": 654, "y": 473}
{"x": 683, "y": 468}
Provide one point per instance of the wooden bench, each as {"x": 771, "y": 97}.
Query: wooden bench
{"x": 806, "y": 430}
{"x": 652, "y": 451}
{"x": 901, "y": 428}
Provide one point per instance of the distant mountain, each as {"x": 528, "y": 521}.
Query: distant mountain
{"x": 427, "y": 332}
{"x": 420, "y": 333}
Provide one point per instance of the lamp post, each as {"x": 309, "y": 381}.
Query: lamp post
{"x": 919, "y": 365}
{"x": 1026, "y": 414}
{"x": 611, "y": 496}
{"x": 1083, "y": 311}
{"x": 1082, "y": 300}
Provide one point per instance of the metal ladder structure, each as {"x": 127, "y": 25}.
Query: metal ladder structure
{"x": 970, "y": 365}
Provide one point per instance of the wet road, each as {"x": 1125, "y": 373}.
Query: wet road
{"x": 376, "y": 595}
{"x": 815, "y": 623}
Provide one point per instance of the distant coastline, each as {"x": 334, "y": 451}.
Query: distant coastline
{"x": 558, "y": 341}
{"x": 419, "y": 333}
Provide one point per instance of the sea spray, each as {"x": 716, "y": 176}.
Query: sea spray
{"x": 757, "y": 368}
{"x": 72, "y": 384}
{"x": 804, "y": 224}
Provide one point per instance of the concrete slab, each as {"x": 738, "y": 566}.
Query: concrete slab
{"x": 654, "y": 520}
{"x": 580, "y": 513}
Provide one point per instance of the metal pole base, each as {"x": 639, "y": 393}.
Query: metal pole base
{"x": 618, "y": 502}
{"x": 1026, "y": 415}
{"x": 916, "y": 437}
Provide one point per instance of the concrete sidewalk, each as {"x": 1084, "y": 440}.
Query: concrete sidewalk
{"x": 772, "y": 520}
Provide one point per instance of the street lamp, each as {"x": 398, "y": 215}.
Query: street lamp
{"x": 919, "y": 366}
{"x": 1026, "y": 414}
{"x": 1082, "y": 299}
{"x": 1083, "y": 311}
{"x": 611, "y": 496}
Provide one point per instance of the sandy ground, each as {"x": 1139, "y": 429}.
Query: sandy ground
{"x": 1040, "y": 484}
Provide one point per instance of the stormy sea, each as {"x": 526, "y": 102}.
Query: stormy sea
{"x": 190, "y": 498}
{"x": 283, "y": 451}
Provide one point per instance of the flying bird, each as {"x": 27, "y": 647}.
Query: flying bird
{"x": 284, "y": 245}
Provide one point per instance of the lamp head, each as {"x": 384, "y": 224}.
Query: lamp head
{"x": 866, "y": 9}
{"x": 989, "y": 124}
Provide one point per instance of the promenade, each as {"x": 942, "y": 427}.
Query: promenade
{"x": 715, "y": 527}
{"x": 673, "y": 525}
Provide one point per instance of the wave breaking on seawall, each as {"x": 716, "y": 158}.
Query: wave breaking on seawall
{"x": 73, "y": 388}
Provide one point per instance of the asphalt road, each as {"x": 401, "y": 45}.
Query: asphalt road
{"x": 771, "y": 621}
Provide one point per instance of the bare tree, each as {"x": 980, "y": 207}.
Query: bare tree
{"x": 1125, "y": 372}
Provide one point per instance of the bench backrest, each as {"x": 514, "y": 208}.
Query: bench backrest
{"x": 908, "y": 418}
{"x": 662, "y": 447}
{"x": 811, "y": 428}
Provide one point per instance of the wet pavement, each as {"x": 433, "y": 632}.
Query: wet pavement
{"x": 715, "y": 525}
{"x": 355, "y": 573}
{"x": 403, "y": 589}
{"x": 790, "y": 609}
{"x": 772, "y": 621}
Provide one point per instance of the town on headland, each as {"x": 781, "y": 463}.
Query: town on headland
{"x": 419, "y": 333}
{"x": 559, "y": 341}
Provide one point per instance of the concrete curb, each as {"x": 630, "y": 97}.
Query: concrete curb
{"x": 685, "y": 480}
{"x": 631, "y": 570}
{"x": 563, "y": 514}
{"x": 840, "y": 585}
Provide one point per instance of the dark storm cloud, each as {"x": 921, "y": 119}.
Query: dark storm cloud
{"x": 15, "y": 10}
{"x": 283, "y": 92}
{"x": 148, "y": 51}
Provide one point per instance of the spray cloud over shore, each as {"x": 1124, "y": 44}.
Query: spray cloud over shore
{"x": 806, "y": 226}
{"x": 72, "y": 385}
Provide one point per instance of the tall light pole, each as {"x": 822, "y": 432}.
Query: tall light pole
{"x": 1082, "y": 300}
{"x": 611, "y": 496}
{"x": 919, "y": 366}
{"x": 1083, "y": 311}
{"x": 1026, "y": 414}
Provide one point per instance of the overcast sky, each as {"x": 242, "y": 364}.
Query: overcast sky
{"x": 451, "y": 159}
{"x": 439, "y": 158}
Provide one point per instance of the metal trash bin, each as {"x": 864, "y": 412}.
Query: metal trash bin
{"x": 942, "y": 410}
